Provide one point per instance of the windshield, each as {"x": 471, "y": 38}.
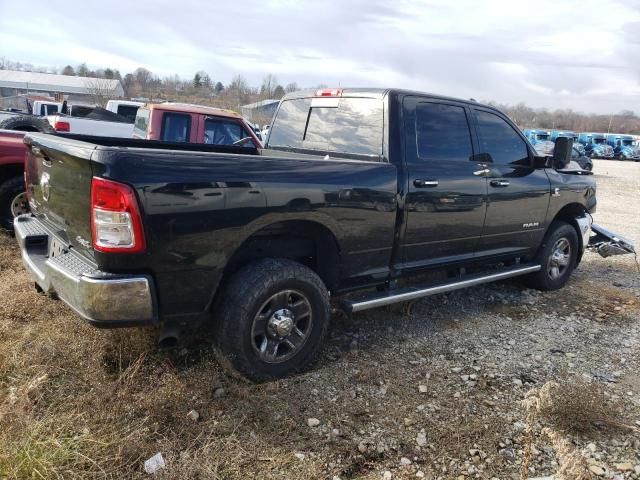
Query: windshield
{"x": 330, "y": 124}
{"x": 627, "y": 143}
{"x": 542, "y": 136}
{"x": 598, "y": 140}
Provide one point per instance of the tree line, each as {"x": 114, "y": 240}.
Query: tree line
{"x": 203, "y": 89}
{"x": 524, "y": 116}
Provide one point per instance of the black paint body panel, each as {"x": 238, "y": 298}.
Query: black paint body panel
{"x": 200, "y": 205}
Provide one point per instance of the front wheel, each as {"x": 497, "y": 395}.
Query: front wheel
{"x": 272, "y": 319}
{"x": 557, "y": 256}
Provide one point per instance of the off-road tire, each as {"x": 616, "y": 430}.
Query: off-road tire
{"x": 543, "y": 279}
{"x": 240, "y": 302}
{"x": 26, "y": 123}
{"x": 9, "y": 189}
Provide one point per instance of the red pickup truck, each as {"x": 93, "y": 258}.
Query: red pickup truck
{"x": 166, "y": 122}
{"x": 12, "y": 199}
{"x": 181, "y": 122}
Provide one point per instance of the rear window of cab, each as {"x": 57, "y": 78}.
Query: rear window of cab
{"x": 339, "y": 125}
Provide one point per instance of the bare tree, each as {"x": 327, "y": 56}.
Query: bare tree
{"x": 101, "y": 90}
{"x": 291, "y": 87}
{"x": 269, "y": 83}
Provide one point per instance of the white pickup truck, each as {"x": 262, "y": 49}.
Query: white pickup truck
{"x": 93, "y": 121}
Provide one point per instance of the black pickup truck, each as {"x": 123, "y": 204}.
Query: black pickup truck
{"x": 356, "y": 193}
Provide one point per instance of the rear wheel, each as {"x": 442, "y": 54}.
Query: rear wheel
{"x": 558, "y": 257}
{"x": 272, "y": 319}
{"x": 26, "y": 123}
{"x": 13, "y": 201}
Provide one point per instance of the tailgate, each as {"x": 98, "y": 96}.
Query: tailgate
{"x": 58, "y": 177}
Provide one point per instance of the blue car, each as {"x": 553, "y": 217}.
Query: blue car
{"x": 623, "y": 147}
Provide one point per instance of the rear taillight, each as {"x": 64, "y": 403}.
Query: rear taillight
{"x": 116, "y": 224}
{"x": 62, "y": 126}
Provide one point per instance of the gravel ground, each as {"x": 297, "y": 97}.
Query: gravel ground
{"x": 492, "y": 382}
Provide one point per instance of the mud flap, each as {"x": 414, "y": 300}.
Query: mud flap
{"x": 607, "y": 243}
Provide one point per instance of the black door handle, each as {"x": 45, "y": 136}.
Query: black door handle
{"x": 419, "y": 183}
{"x": 499, "y": 183}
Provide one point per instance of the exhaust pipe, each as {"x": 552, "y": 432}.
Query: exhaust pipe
{"x": 168, "y": 338}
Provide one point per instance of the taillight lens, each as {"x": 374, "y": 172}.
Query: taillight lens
{"x": 116, "y": 224}
{"x": 62, "y": 126}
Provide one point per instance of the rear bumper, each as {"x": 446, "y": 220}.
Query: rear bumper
{"x": 104, "y": 299}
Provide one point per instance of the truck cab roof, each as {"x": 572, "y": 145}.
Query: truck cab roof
{"x": 377, "y": 93}
{"x": 191, "y": 108}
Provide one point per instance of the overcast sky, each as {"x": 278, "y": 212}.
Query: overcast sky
{"x": 580, "y": 54}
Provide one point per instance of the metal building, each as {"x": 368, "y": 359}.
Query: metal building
{"x": 15, "y": 83}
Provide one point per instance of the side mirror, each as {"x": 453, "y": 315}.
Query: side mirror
{"x": 562, "y": 152}
{"x": 541, "y": 162}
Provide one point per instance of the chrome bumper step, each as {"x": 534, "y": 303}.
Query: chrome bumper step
{"x": 378, "y": 299}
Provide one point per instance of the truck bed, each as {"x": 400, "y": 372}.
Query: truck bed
{"x": 199, "y": 203}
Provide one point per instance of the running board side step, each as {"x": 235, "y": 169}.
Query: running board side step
{"x": 411, "y": 293}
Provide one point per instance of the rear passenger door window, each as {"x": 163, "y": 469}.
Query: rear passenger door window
{"x": 442, "y": 133}
{"x": 175, "y": 127}
{"x": 497, "y": 138}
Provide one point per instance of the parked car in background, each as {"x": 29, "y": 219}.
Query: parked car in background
{"x": 541, "y": 140}
{"x": 124, "y": 108}
{"x": 13, "y": 126}
{"x": 581, "y": 159}
{"x": 92, "y": 120}
{"x": 623, "y": 147}
{"x": 12, "y": 198}
{"x": 43, "y": 108}
{"x": 186, "y": 123}
{"x": 595, "y": 145}
{"x": 265, "y": 133}
{"x": 256, "y": 129}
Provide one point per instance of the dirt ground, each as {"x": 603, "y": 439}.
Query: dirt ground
{"x": 492, "y": 382}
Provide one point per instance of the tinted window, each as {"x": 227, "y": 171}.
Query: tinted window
{"x": 141, "y": 123}
{"x": 342, "y": 125}
{"x": 48, "y": 109}
{"x": 128, "y": 111}
{"x": 223, "y": 132}
{"x": 442, "y": 132}
{"x": 175, "y": 127}
{"x": 500, "y": 140}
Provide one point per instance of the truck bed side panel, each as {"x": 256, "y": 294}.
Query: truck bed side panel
{"x": 198, "y": 208}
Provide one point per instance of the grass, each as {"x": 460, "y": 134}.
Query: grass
{"x": 79, "y": 402}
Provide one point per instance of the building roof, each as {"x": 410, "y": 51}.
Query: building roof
{"x": 262, "y": 103}
{"x": 49, "y": 82}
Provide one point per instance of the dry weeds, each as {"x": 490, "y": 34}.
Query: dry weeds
{"x": 77, "y": 402}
